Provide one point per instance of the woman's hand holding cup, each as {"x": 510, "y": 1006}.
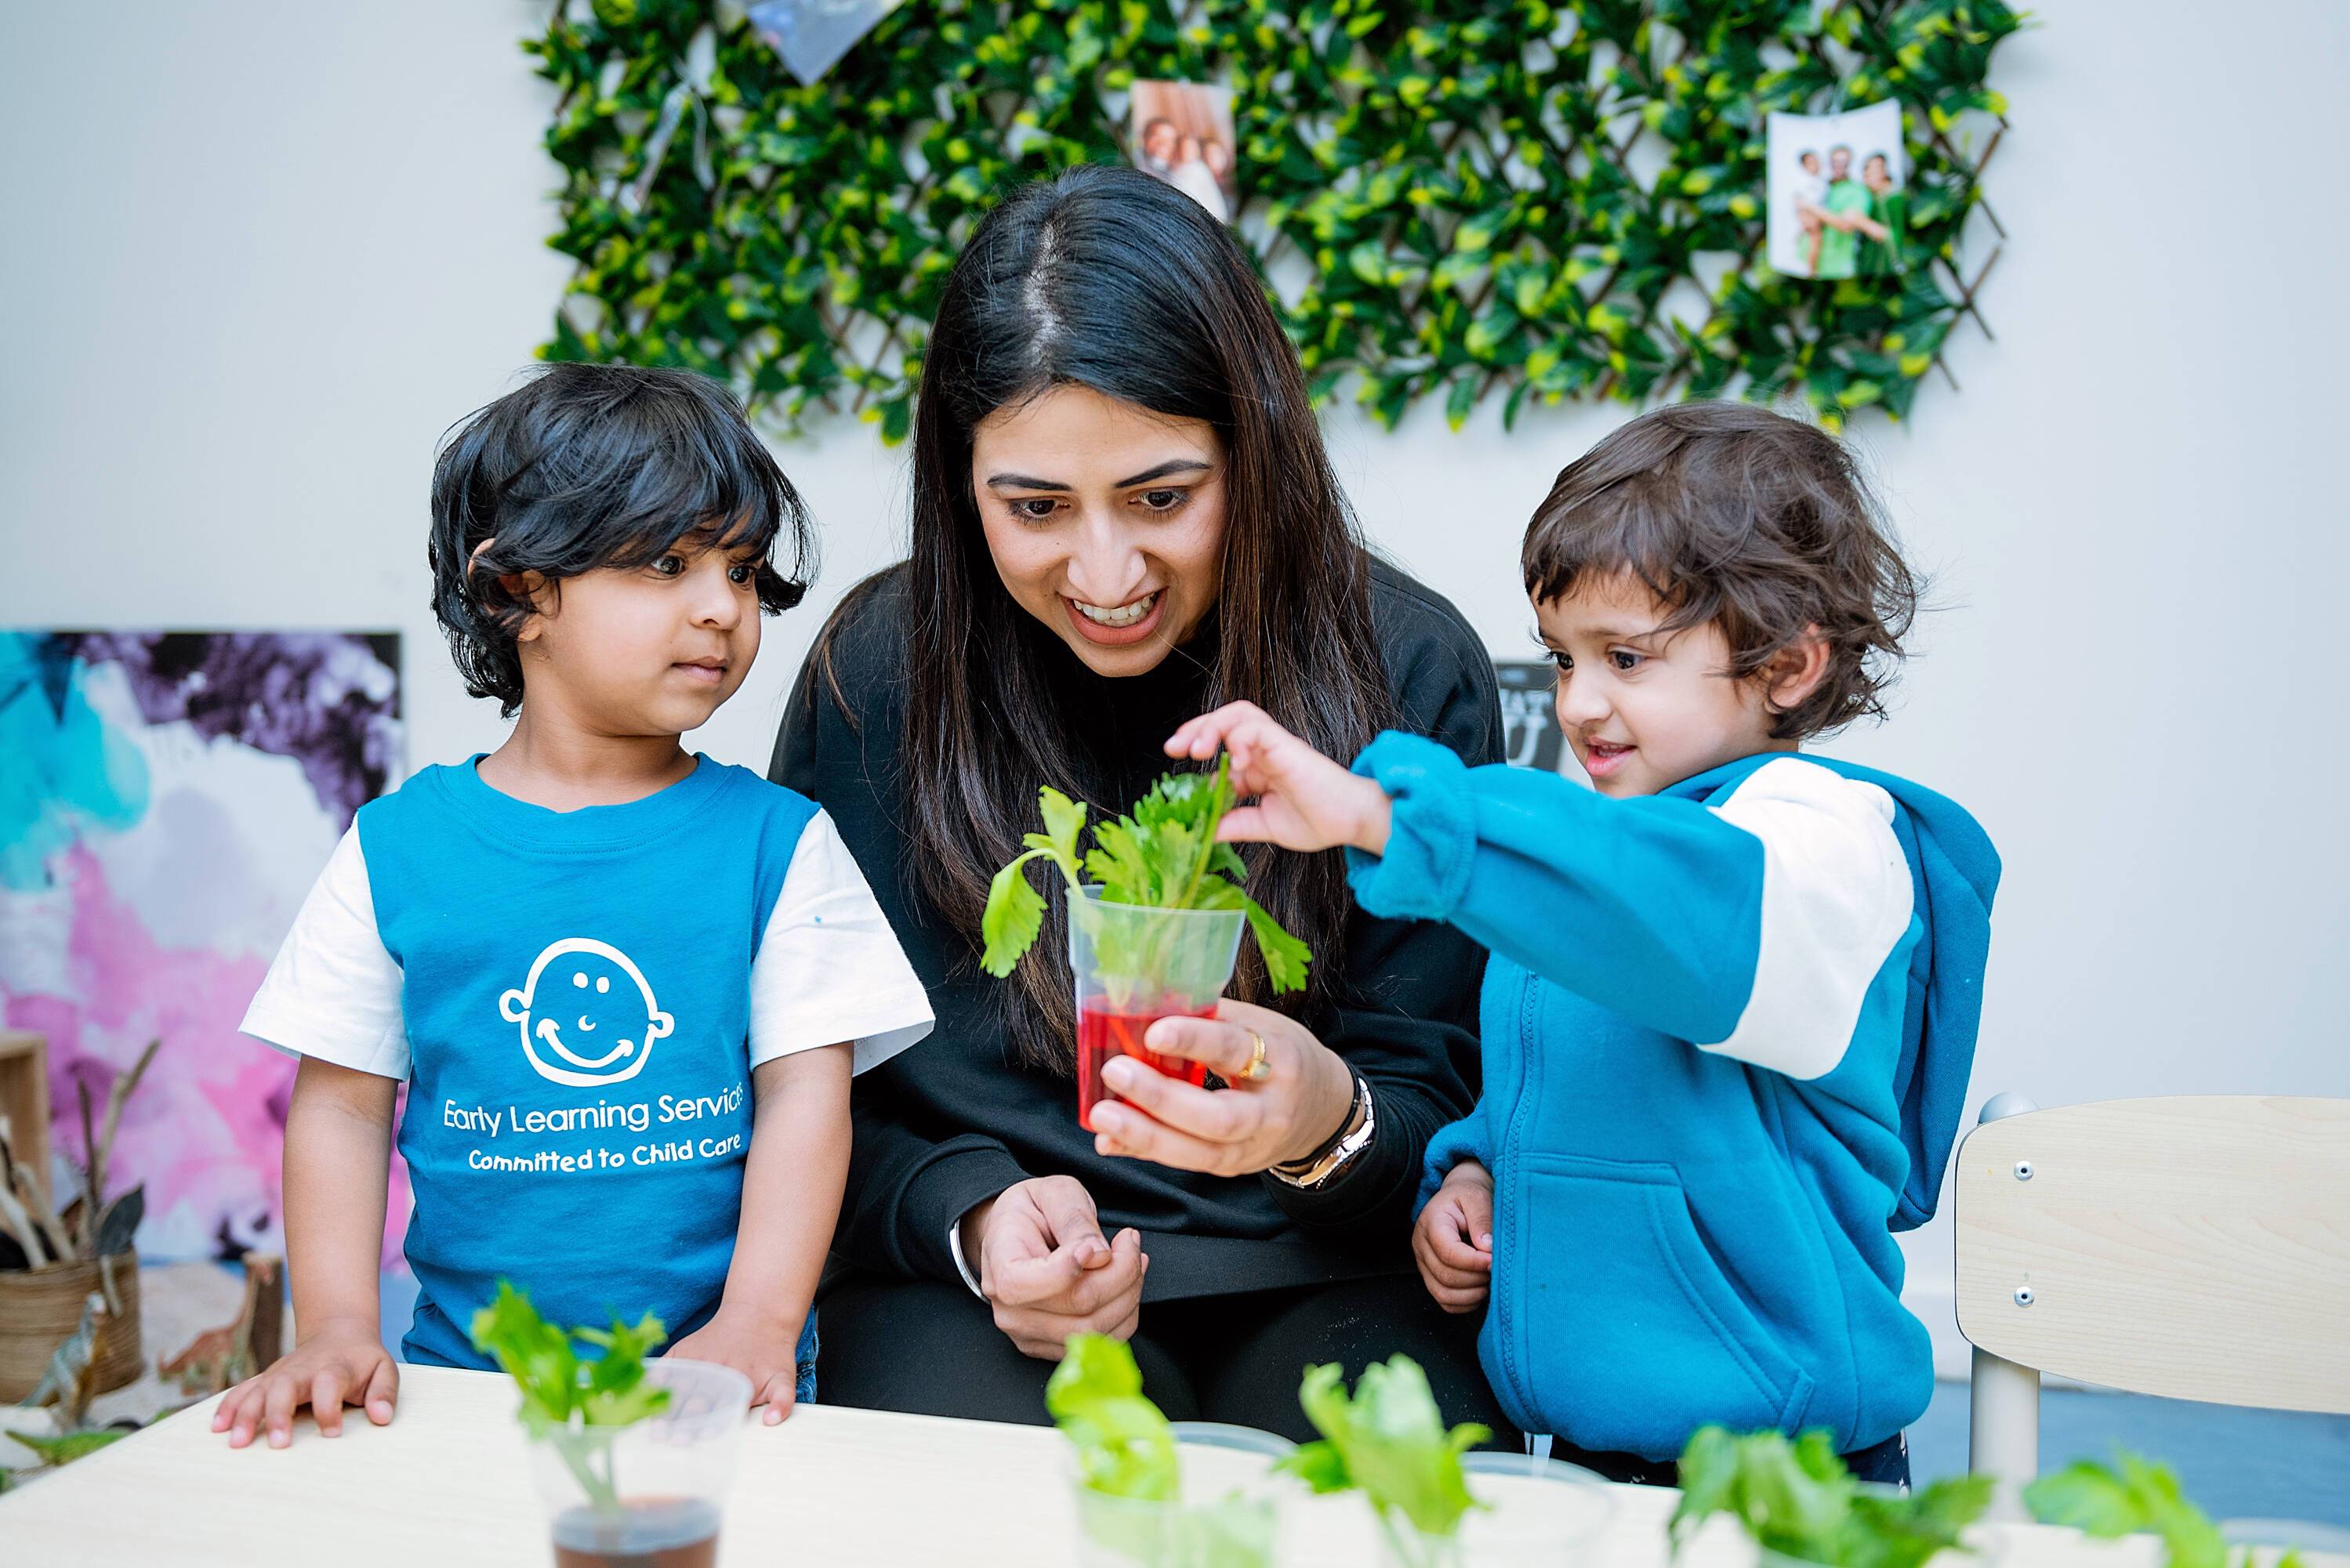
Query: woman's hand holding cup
{"x": 1279, "y": 1104}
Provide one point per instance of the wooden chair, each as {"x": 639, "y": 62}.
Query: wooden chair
{"x": 2196, "y": 1247}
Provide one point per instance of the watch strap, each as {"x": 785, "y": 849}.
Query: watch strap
{"x": 1354, "y": 1135}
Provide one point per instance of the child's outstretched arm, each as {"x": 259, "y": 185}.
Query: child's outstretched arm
{"x": 1305, "y": 800}
{"x": 338, "y": 1156}
{"x": 792, "y": 1185}
{"x": 1656, "y": 907}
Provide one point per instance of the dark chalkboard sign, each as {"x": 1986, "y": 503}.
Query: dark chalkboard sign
{"x": 1530, "y": 734}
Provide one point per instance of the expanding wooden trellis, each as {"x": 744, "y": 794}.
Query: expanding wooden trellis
{"x": 1450, "y": 200}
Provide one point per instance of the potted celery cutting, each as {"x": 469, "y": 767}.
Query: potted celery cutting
{"x": 1389, "y": 1441}
{"x": 633, "y": 1456}
{"x": 1137, "y": 1505}
{"x": 1803, "y": 1510}
{"x": 1155, "y": 915}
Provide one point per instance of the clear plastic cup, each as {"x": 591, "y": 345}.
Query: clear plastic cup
{"x": 1136, "y": 965}
{"x": 647, "y": 1495}
{"x": 2270, "y": 1538}
{"x": 1552, "y": 1524}
{"x": 1980, "y": 1547}
{"x": 1266, "y": 1445}
{"x": 1215, "y": 1523}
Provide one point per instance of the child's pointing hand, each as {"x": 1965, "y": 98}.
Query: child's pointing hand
{"x": 1304, "y": 801}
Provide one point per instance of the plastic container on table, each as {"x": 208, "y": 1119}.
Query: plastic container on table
{"x": 2272, "y": 1538}
{"x": 1554, "y": 1524}
{"x": 647, "y": 1495}
{"x": 1982, "y": 1545}
{"x": 1270, "y": 1445}
{"x": 1214, "y": 1523}
{"x": 1136, "y": 965}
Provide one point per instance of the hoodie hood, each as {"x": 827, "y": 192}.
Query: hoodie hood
{"x": 1955, "y": 872}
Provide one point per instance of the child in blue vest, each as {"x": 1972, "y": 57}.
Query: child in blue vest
{"x": 625, "y": 986}
{"x": 1732, "y": 1004}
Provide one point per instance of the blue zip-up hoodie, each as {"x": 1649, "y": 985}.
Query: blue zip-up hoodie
{"x": 1728, "y": 1030}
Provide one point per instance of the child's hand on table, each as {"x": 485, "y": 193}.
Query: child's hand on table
{"x": 342, "y": 1362}
{"x": 1304, "y": 801}
{"x": 765, "y": 1351}
{"x": 1454, "y": 1240}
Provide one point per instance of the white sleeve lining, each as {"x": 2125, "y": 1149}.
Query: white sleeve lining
{"x": 829, "y": 967}
{"x": 332, "y": 992}
{"x": 1836, "y": 898}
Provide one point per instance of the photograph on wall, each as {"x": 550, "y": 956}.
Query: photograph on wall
{"x": 1182, "y": 132}
{"x": 811, "y": 36}
{"x": 1837, "y": 193}
{"x": 167, "y": 802}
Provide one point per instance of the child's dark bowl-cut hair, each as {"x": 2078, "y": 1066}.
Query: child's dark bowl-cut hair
{"x": 589, "y": 466}
{"x": 1733, "y": 514}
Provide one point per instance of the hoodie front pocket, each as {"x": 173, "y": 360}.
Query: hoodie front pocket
{"x": 1633, "y": 1336}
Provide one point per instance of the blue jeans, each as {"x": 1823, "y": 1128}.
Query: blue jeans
{"x": 1886, "y": 1463}
{"x": 804, "y": 1359}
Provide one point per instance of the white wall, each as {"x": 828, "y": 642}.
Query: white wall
{"x": 256, "y": 255}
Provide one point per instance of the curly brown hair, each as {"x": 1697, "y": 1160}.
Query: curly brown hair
{"x": 1761, "y": 525}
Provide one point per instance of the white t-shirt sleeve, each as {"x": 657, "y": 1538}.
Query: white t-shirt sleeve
{"x": 1836, "y": 899}
{"x": 333, "y": 992}
{"x": 829, "y": 967}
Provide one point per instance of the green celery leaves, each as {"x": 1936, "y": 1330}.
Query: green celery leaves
{"x": 1125, "y": 1447}
{"x": 1795, "y": 1498}
{"x": 1388, "y": 1441}
{"x": 1164, "y": 856}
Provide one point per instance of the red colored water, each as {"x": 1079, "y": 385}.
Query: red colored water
{"x": 663, "y": 1532}
{"x": 1102, "y": 1034}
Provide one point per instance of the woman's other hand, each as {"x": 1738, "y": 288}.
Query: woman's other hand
{"x": 1045, "y": 1270}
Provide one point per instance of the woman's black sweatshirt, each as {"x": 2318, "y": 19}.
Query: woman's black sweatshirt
{"x": 949, "y": 1123}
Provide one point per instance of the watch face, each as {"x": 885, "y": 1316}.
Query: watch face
{"x": 1353, "y": 1138}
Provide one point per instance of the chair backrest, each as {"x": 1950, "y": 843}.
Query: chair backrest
{"x": 2196, "y": 1247}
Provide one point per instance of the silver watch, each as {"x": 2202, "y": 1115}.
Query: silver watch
{"x": 1324, "y": 1167}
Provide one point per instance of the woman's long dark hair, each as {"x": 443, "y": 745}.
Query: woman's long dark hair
{"x": 1105, "y": 278}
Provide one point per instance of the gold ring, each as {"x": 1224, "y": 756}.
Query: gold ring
{"x": 1256, "y": 1072}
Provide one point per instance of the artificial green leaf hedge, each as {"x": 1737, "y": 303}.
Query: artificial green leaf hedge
{"x": 1449, "y": 201}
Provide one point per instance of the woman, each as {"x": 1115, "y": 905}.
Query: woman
{"x": 1888, "y": 211}
{"x": 1122, "y": 517}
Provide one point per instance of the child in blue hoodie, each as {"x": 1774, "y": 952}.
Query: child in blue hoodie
{"x": 1733, "y": 993}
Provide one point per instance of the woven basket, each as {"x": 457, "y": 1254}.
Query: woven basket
{"x": 39, "y": 1310}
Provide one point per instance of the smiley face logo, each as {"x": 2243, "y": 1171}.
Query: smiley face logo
{"x": 588, "y": 1014}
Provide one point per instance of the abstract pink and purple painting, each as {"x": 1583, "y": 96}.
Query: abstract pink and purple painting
{"x": 166, "y": 800}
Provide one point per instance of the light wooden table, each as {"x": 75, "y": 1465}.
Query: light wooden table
{"x": 447, "y": 1485}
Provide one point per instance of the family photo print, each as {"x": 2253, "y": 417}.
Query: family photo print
{"x": 1836, "y": 192}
